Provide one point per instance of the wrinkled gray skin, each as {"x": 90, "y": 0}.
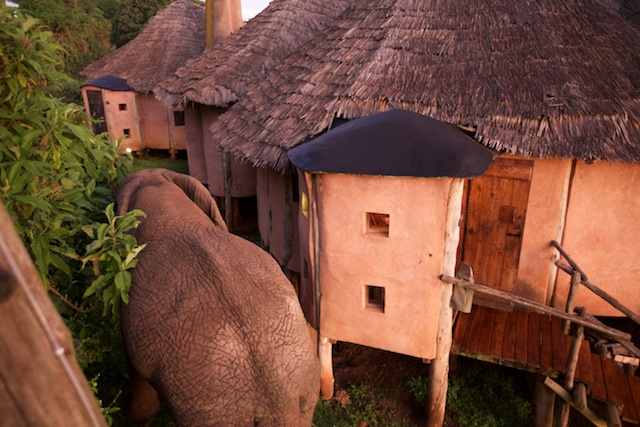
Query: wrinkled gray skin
{"x": 212, "y": 324}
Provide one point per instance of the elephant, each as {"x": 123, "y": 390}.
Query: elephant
{"x": 213, "y": 328}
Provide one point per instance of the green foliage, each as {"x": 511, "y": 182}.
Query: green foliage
{"x": 105, "y": 254}
{"x": 78, "y": 26}
{"x": 131, "y": 18}
{"x": 481, "y": 395}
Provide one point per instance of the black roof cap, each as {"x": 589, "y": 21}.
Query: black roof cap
{"x": 394, "y": 143}
{"x": 109, "y": 82}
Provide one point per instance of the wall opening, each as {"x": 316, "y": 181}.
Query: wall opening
{"x": 122, "y": 107}
{"x": 377, "y": 223}
{"x": 178, "y": 118}
{"x": 127, "y": 133}
{"x": 374, "y": 298}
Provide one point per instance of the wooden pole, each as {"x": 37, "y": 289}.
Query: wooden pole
{"x": 544, "y": 401}
{"x": 439, "y": 368}
{"x": 228, "y": 208}
{"x": 572, "y": 364}
{"x": 566, "y": 396}
{"x": 575, "y": 283}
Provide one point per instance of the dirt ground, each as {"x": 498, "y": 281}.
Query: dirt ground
{"x": 385, "y": 371}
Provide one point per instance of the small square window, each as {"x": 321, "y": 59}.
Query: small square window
{"x": 122, "y": 107}
{"x": 377, "y": 223}
{"x": 178, "y": 118}
{"x": 127, "y": 133}
{"x": 374, "y": 298}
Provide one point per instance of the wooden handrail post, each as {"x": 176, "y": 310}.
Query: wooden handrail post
{"x": 602, "y": 294}
{"x": 572, "y": 364}
{"x": 573, "y": 290}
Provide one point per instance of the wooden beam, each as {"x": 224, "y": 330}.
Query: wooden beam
{"x": 541, "y": 308}
{"x": 40, "y": 380}
{"x": 565, "y": 395}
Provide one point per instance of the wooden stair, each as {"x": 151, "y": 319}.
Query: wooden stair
{"x": 536, "y": 343}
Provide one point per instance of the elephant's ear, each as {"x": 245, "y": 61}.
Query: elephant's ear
{"x": 199, "y": 194}
{"x": 127, "y": 188}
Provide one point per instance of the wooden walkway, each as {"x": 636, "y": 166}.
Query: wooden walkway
{"x": 536, "y": 343}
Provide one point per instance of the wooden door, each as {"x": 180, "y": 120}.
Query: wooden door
{"x": 496, "y": 206}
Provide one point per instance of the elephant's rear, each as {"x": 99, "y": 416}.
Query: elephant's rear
{"x": 212, "y": 323}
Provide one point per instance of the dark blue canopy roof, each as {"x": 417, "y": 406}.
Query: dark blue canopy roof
{"x": 109, "y": 82}
{"x": 394, "y": 143}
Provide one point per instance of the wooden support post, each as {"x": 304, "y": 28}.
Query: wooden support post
{"x": 172, "y": 151}
{"x": 228, "y": 208}
{"x": 439, "y": 368}
{"x": 572, "y": 364}
{"x": 573, "y": 290}
{"x": 326, "y": 368}
{"x": 602, "y": 294}
{"x": 580, "y": 395}
{"x": 566, "y": 396}
{"x": 613, "y": 415}
{"x": 544, "y": 401}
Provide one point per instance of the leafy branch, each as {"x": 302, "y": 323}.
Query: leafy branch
{"x": 112, "y": 253}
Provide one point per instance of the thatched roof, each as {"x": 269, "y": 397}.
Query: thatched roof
{"x": 174, "y": 35}
{"x": 545, "y": 78}
{"x": 220, "y": 75}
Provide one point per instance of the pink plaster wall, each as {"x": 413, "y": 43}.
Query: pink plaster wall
{"x": 156, "y": 123}
{"x": 601, "y": 233}
{"x": 117, "y": 120}
{"x": 407, "y": 263}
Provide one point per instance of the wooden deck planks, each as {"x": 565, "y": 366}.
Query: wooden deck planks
{"x": 497, "y": 339}
{"x": 522, "y": 323}
{"x": 584, "y": 362}
{"x": 533, "y": 340}
{"x": 598, "y": 389}
{"x": 634, "y": 386}
{"x": 629, "y": 411}
{"x": 484, "y": 345}
{"x": 610, "y": 373}
{"x": 509, "y": 341}
{"x": 473, "y": 332}
{"x": 460, "y": 331}
{"x": 538, "y": 342}
{"x": 546, "y": 346}
{"x": 559, "y": 351}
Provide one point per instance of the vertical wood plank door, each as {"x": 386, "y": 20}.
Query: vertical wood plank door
{"x": 496, "y": 206}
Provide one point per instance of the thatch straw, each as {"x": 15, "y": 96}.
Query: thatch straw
{"x": 220, "y": 75}
{"x": 545, "y": 78}
{"x": 174, "y": 35}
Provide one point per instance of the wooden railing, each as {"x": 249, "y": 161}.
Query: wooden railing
{"x": 573, "y": 394}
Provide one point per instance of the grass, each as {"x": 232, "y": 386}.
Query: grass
{"x": 147, "y": 162}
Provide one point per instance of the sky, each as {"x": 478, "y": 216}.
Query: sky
{"x": 251, "y": 8}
